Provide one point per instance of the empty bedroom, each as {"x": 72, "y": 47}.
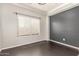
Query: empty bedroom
{"x": 39, "y": 29}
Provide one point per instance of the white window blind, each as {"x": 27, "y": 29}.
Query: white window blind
{"x": 28, "y": 25}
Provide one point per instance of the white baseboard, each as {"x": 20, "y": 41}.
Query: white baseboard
{"x": 19, "y": 45}
{"x": 65, "y": 44}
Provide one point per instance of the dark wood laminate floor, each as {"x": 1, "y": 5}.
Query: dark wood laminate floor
{"x": 43, "y": 48}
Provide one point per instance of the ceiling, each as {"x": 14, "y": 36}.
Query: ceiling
{"x": 46, "y": 7}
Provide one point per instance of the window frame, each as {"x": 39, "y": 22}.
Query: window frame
{"x": 39, "y": 18}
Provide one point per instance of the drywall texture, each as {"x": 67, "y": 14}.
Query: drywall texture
{"x": 0, "y": 28}
{"x": 64, "y": 27}
{"x": 10, "y": 23}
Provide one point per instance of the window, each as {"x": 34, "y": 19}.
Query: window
{"x": 28, "y": 25}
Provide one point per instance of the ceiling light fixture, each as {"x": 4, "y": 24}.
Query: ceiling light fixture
{"x": 41, "y": 3}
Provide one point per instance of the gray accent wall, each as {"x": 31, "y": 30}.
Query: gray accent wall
{"x": 64, "y": 27}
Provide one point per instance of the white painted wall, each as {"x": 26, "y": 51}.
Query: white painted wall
{"x": 0, "y": 28}
{"x": 9, "y": 27}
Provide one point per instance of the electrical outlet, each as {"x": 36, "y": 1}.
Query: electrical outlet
{"x": 64, "y": 39}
